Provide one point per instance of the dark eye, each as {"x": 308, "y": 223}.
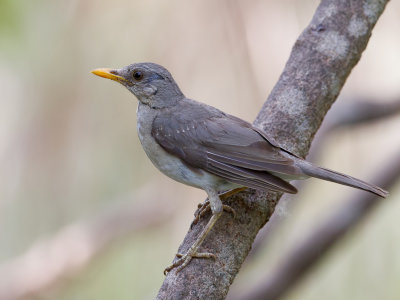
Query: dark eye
{"x": 137, "y": 75}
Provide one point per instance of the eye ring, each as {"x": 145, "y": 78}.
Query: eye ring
{"x": 137, "y": 75}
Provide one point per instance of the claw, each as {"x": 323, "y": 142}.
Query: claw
{"x": 184, "y": 260}
{"x": 206, "y": 208}
{"x": 203, "y": 209}
{"x": 229, "y": 209}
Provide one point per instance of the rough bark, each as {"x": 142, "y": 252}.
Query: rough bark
{"x": 358, "y": 111}
{"x": 293, "y": 265}
{"x": 321, "y": 60}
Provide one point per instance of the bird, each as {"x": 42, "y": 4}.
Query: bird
{"x": 204, "y": 147}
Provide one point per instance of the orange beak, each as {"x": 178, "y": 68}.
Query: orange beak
{"x": 108, "y": 73}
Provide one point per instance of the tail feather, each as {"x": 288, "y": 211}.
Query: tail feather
{"x": 326, "y": 174}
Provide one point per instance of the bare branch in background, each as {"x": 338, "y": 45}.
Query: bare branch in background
{"x": 73, "y": 247}
{"x": 360, "y": 111}
{"x": 298, "y": 261}
{"x": 342, "y": 114}
{"x": 320, "y": 62}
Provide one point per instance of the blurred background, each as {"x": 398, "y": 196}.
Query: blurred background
{"x": 83, "y": 212}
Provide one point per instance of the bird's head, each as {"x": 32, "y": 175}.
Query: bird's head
{"x": 152, "y": 84}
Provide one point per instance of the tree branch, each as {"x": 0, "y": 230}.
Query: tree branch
{"x": 343, "y": 114}
{"x": 298, "y": 261}
{"x": 360, "y": 111}
{"x": 321, "y": 59}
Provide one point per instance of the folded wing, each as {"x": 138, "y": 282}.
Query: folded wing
{"x": 226, "y": 146}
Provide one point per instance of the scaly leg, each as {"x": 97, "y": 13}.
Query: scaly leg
{"x": 217, "y": 208}
{"x": 192, "y": 252}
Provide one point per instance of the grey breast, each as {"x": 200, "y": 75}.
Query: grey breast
{"x": 168, "y": 163}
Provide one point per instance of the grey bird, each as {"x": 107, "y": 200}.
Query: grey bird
{"x": 203, "y": 147}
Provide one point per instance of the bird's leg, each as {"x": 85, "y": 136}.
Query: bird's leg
{"x": 204, "y": 208}
{"x": 216, "y": 207}
{"x": 184, "y": 259}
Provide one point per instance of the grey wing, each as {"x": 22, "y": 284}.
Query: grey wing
{"x": 225, "y": 146}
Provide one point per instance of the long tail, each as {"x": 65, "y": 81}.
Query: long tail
{"x": 325, "y": 174}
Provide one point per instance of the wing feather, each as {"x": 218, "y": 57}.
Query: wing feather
{"x": 204, "y": 137}
{"x": 256, "y": 179}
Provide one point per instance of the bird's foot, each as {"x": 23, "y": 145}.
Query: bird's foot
{"x": 204, "y": 208}
{"x": 184, "y": 259}
{"x": 193, "y": 250}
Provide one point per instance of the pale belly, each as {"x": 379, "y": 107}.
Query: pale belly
{"x": 170, "y": 165}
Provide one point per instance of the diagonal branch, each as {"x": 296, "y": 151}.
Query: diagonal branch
{"x": 295, "y": 264}
{"x": 321, "y": 60}
{"x": 356, "y": 112}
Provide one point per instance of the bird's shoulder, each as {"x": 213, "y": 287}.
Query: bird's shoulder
{"x": 190, "y": 111}
{"x": 192, "y": 119}
{"x": 193, "y": 125}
